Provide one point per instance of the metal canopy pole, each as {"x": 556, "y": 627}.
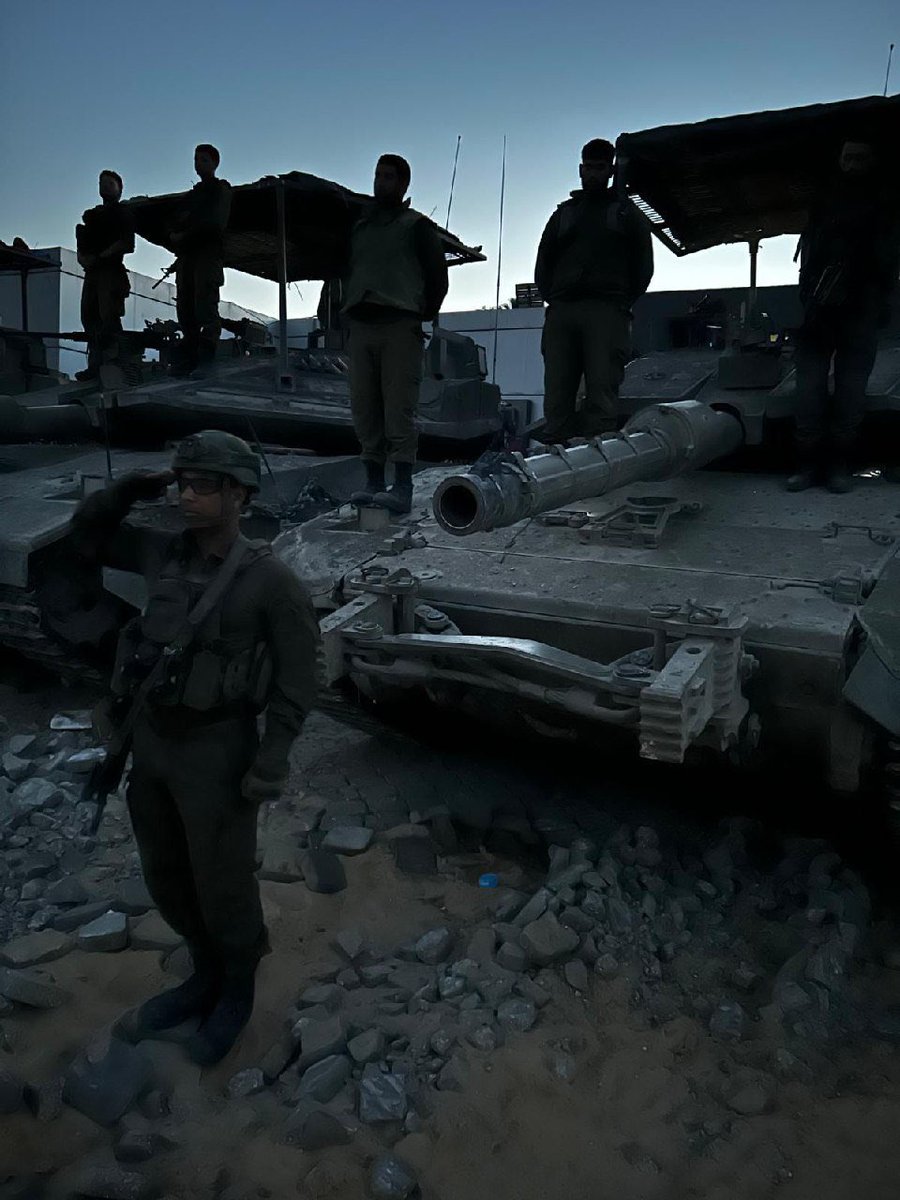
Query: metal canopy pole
{"x": 23, "y": 285}
{"x": 754, "y": 255}
{"x": 282, "y": 285}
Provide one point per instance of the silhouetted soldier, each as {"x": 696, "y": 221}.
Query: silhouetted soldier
{"x": 199, "y": 241}
{"x": 102, "y": 241}
{"x": 848, "y": 269}
{"x": 594, "y": 260}
{"x": 397, "y": 278}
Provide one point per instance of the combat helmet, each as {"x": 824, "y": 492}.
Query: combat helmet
{"x": 215, "y": 450}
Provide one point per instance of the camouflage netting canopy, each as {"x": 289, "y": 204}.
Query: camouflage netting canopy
{"x": 318, "y": 217}
{"x": 734, "y": 179}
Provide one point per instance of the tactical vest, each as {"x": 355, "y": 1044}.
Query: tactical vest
{"x": 593, "y": 259}
{"x": 384, "y": 266}
{"x": 211, "y": 674}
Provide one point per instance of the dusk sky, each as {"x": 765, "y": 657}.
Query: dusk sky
{"x": 326, "y": 87}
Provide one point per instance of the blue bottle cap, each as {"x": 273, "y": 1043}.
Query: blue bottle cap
{"x": 489, "y": 880}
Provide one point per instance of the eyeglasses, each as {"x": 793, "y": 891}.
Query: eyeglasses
{"x": 200, "y": 485}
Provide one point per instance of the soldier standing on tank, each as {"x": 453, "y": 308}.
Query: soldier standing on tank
{"x": 594, "y": 261}
{"x": 198, "y": 239}
{"x": 102, "y": 241}
{"x": 848, "y": 270}
{"x": 396, "y": 279}
{"x": 199, "y": 770}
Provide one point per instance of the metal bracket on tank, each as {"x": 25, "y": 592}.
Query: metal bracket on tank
{"x": 697, "y": 695}
{"x": 640, "y": 522}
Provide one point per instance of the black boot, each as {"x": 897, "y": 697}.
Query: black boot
{"x": 802, "y": 479}
{"x": 224, "y": 1024}
{"x": 398, "y": 498}
{"x": 839, "y": 479}
{"x": 374, "y": 483}
{"x": 195, "y": 997}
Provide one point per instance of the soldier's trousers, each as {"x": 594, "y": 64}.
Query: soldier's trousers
{"x": 103, "y": 296}
{"x": 386, "y": 361}
{"x": 589, "y": 338}
{"x": 196, "y": 836}
{"x": 198, "y": 281}
{"x": 832, "y": 420}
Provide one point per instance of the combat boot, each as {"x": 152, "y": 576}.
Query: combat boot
{"x": 195, "y": 997}
{"x": 225, "y": 1023}
{"x": 374, "y": 483}
{"x": 398, "y": 497}
{"x": 801, "y": 480}
{"x": 839, "y": 479}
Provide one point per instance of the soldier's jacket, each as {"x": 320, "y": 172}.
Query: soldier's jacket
{"x": 257, "y": 649}
{"x": 103, "y": 226}
{"x": 205, "y": 218}
{"x": 594, "y": 248}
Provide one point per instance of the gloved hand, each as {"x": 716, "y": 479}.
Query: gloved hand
{"x": 264, "y": 781}
{"x": 146, "y": 485}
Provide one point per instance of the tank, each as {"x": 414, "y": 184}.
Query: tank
{"x": 656, "y": 591}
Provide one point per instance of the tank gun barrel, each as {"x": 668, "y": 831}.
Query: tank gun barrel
{"x": 43, "y": 422}
{"x": 657, "y": 443}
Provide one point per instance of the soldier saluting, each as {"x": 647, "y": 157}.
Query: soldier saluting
{"x": 198, "y": 239}
{"x": 102, "y": 241}
{"x": 227, "y": 633}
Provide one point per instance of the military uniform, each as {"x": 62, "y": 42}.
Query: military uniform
{"x": 196, "y": 738}
{"x": 397, "y": 278}
{"x": 106, "y": 287}
{"x": 594, "y": 260}
{"x": 200, "y": 272}
{"x": 848, "y": 270}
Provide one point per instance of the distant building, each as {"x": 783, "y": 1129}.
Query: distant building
{"x": 54, "y": 305}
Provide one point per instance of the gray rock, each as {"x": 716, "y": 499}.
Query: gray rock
{"x": 511, "y": 957}
{"x": 323, "y": 872}
{"x": 577, "y": 919}
{"x": 481, "y": 945}
{"x": 12, "y": 1093}
{"x": 82, "y": 762}
{"x": 454, "y": 1075}
{"x": 132, "y": 898}
{"x": 38, "y": 866}
{"x": 451, "y": 986}
{"x": 392, "y": 1179}
{"x": 107, "y": 934}
{"x": 535, "y": 908}
{"x": 495, "y": 986}
{"x": 31, "y": 988}
{"x": 545, "y": 941}
{"x": 329, "y": 995}
{"x": 106, "y": 1080}
{"x": 308, "y": 817}
{"x": 576, "y": 975}
{"x": 138, "y": 1146}
{"x": 619, "y": 916}
{"x": 150, "y": 932}
{"x": 517, "y": 1015}
{"x": 348, "y": 839}
{"x": 16, "y": 768}
{"x": 375, "y": 975}
{"x": 507, "y": 903}
{"x": 319, "y": 1039}
{"x": 528, "y": 989}
{"x": 108, "y": 1183}
{"x": 45, "y": 1100}
{"x": 791, "y": 997}
{"x": 728, "y": 1021}
{"x": 310, "y": 1127}
{"x": 563, "y": 1066}
{"x": 23, "y": 744}
{"x": 35, "y": 948}
{"x": 750, "y": 1093}
{"x": 324, "y": 1079}
{"x": 382, "y": 1096}
{"x": 281, "y": 862}
{"x": 350, "y": 943}
{"x": 828, "y": 965}
{"x": 246, "y": 1083}
{"x": 435, "y": 946}
{"x": 482, "y": 1037}
{"x": 76, "y": 918}
{"x": 66, "y": 892}
{"x": 36, "y": 795}
{"x": 367, "y": 1047}
{"x": 348, "y": 979}
{"x": 441, "y": 1042}
{"x": 607, "y": 966}
{"x": 276, "y": 1058}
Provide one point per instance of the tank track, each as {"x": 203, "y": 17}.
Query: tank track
{"x": 22, "y": 630}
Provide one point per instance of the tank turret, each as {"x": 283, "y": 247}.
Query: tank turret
{"x": 657, "y": 443}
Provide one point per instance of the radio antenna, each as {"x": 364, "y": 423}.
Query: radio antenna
{"x": 499, "y": 261}
{"x": 453, "y": 179}
{"x": 887, "y": 74}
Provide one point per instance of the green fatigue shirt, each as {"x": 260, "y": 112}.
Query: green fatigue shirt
{"x": 106, "y": 225}
{"x": 397, "y": 266}
{"x": 594, "y": 248}
{"x": 205, "y": 218}
{"x": 265, "y": 603}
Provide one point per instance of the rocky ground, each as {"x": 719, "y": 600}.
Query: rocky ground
{"x": 650, "y": 999}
